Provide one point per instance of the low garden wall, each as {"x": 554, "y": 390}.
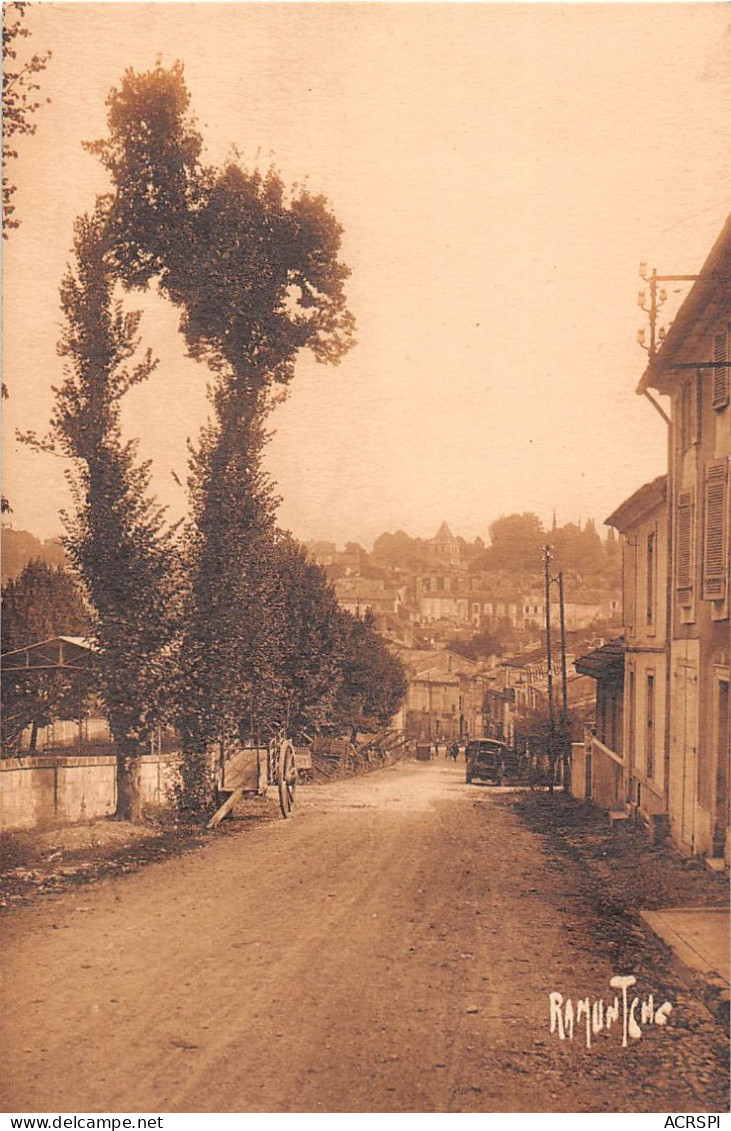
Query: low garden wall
{"x": 49, "y": 790}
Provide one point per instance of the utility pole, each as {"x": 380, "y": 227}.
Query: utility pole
{"x": 549, "y": 658}
{"x": 564, "y": 691}
{"x": 658, "y": 297}
{"x": 564, "y": 684}
{"x": 549, "y": 665}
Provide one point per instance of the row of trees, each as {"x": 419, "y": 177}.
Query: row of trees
{"x": 333, "y": 672}
{"x": 516, "y": 546}
{"x": 221, "y": 624}
{"x": 517, "y": 542}
{"x": 401, "y": 550}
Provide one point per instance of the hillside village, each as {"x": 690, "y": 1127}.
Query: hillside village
{"x": 468, "y": 620}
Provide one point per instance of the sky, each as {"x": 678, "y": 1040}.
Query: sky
{"x": 499, "y": 171}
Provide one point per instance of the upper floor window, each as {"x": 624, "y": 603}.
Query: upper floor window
{"x": 684, "y": 547}
{"x": 719, "y": 398}
{"x": 688, "y": 413}
{"x": 651, "y": 540}
{"x": 715, "y": 530}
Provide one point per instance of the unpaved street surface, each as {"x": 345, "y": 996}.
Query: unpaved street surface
{"x": 391, "y": 948}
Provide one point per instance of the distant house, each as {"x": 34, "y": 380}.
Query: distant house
{"x": 358, "y": 595}
{"x": 444, "y": 698}
{"x": 518, "y": 689}
{"x": 397, "y": 629}
{"x": 324, "y": 553}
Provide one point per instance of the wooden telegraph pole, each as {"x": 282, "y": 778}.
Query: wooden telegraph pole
{"x": 564, "y": 690}
{"x": 549, "y": 663}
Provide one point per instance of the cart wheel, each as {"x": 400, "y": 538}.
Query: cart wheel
{"x": 286, "y": 776}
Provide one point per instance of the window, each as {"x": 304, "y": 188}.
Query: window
{"x": 650, "y": 726}
{"x": 715, "y": 534}
{"x": 684, "y": 547}
{"x": 613, "y": 719}
{"x": 689, "y": 412}
{"x": 651, "y": 578}
{"x": 602, "y": 713}
{"x": 719, "y": 398}
{"x": 685, "y": 418}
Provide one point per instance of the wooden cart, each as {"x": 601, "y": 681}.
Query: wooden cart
{"x": 250, "y": 771}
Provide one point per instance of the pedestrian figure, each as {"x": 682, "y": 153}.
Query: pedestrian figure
{"x": 454, "y": 751}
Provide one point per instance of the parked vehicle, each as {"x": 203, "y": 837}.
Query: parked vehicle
{"x": 486, "y": 760}
{"x": 423, "y": 751}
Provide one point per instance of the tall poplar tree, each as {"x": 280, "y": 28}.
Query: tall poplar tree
{"x": 116, "y": 536}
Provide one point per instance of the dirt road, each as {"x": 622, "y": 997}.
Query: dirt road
{"x": 391, "y": 948}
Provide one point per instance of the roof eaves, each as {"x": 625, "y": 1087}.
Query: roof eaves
{"x": 644, "y": 499}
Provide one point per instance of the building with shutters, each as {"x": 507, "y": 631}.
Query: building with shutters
{"x": 692, "y": 368}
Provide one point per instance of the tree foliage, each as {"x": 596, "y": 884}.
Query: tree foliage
{"x": 312, "y": 648}
{"x": 253, "y": 268}
{"x": 516, "y": 543}
{"x": 40, "y": 603}
{"x": 479, "y": 646}
{"x": 578, "y": 550}
{"x": 230, "y": 642}
{"x": 19, "y": 99}
{"x": 373, "y": 678}
{"x": 400, "y": 549}
{"x": 20, "y": 548}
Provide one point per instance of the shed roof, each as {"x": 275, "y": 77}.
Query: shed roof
{"x": 606, "y": 662}
{"x": 645, "y": 499}
{"x": 59, "y": 653}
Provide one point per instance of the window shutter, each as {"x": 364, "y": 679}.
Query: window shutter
{"x": 720, "y": 376}
{"x": 689, "y": 413}
{"x": 684, "y": 547}
{"x": 715, "y": 532}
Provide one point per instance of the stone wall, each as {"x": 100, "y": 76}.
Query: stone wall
{"x": 53, "y": 790}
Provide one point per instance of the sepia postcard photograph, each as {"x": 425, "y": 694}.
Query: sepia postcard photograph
{"x": 366, "y": 543}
